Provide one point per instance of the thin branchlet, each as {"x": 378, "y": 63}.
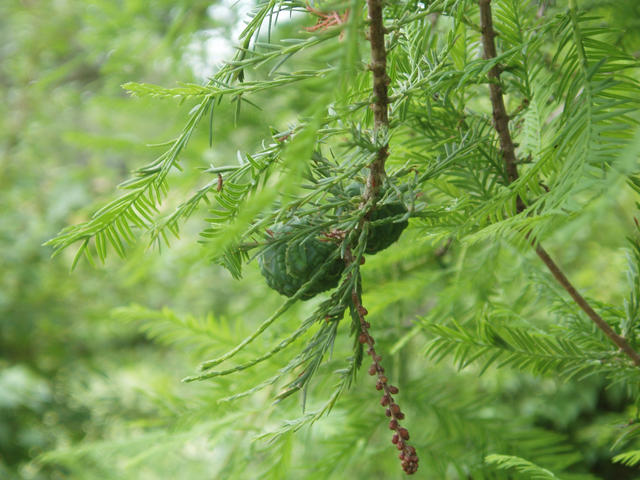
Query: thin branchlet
{"x": 620, "y": 341}
{"x": 378, "y": 67}
{"x": 500, "y": 116}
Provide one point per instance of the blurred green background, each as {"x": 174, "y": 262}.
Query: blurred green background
{"x": 90, "y": 386}
{"x": 68, "y": 135}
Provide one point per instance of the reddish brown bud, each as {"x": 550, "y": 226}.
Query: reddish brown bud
{"x": 362, "y": 338}
{"x": 400, "y": 445}
{"x": 381, "y": 369}
{"x": 395, "y": 408}
{"x": 384, "y": 401}
{"x": 379, "y": 385}
{"x": 401, "y": 456}
{"x": 393, "y": 424}
{"x": 362, "y": 311}
{"x": 414, "y": 459}
{"x": 404, "y": 433}
{"x": 383, "y": 379}
{"x": 411, "y": 450}
{"x": 362, "y": 260}
{"x": 395, "y": 439}
{"x": 393, "y": 389}
{"x": 373, "y": 369}
{"x": 387, "y": 412}
{"x": 366, "y": 324}
{"x": 378, "y": 358}
{"x": 400, "y": 416}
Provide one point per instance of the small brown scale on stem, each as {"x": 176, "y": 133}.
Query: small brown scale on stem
{"x": 408, "y": 457}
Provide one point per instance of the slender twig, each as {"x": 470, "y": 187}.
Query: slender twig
{"x": 582, "y": 303}
{"x": 500, "y": 116}
{"x": 442, "y": 251}
{"x": 501, "y": 124}
{"x": 378, "y": 67}
{"x": 582, "y": 55}
{"x": 408, "y": 457}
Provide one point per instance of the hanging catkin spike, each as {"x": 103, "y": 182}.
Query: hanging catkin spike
{"x": 378, "y": 67}
{"x": 408, "y": 457}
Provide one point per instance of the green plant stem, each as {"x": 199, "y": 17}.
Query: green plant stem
{"x": 501, "y": 124}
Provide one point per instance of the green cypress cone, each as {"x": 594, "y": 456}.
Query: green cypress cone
{"x": 289, "y": 265}
{"x": 381, "y": 236}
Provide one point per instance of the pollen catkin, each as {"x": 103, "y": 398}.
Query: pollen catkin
{"x": 409, "y": 460}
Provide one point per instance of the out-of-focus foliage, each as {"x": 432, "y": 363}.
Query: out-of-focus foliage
{"x": 68, "y": 133}
{"x": 90, "y": 363}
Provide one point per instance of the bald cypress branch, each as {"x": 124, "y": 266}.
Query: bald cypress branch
{"x": 501, "y": 124}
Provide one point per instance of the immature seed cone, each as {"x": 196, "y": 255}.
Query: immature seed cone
{"x": 381, "y": 236}
{"x": 289, "y": 265}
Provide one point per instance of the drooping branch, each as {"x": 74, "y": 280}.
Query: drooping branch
{"x": 380, "y": 104}
{"x": 501, "y": 124}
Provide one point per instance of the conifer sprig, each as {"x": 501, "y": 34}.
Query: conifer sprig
{"x": 115, "y": 223}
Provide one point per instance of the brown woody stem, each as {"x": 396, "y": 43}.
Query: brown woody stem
{"x": 501, "y": 124}
{"x": 500, "y": 116}
{"x": 378, "y": 67}
{"x": 409, "y": 459}
{"x": 582, "y": 303}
